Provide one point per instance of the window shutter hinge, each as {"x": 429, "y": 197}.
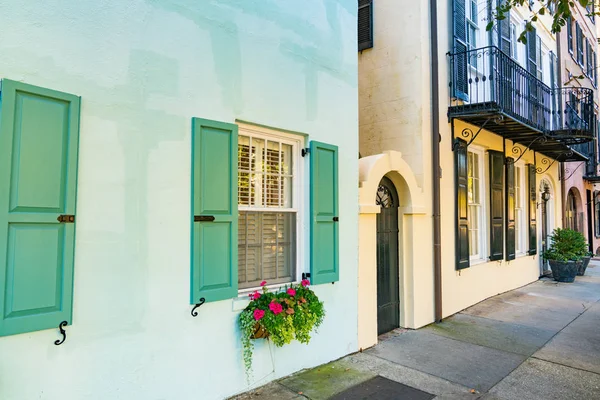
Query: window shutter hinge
{"x": 305, "y": 152}
{"x": 305, "y": 275}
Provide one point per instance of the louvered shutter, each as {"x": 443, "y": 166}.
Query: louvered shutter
{"x": 510, "y": 209}
{"x": 496, "y": 177}
{"x": 324, "y": 208}
{"x": 532, "y": 52}
{"x": 214, "y": 210}
{"x": 39, "y": 133}
{"x": 365, "y": 24}
{"x": 459, "y": 66}
{"x": 461, "y": 182}
{"x": 532, "y": 209}
{"x": 504, "y": 34}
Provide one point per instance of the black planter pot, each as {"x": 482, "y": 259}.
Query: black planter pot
{"x": 564, "y": 271}
{"x": 582, "y": 267}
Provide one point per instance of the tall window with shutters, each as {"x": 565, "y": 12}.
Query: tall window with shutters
{"x": 476, "y": 204}
{"x": 520, "y": 231}
{"x": 570, "y": 34}
{"x": 579, "y": 39}
{"x": 268, "y": 208}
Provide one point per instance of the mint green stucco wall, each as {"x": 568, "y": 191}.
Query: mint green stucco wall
{"x": 143, "y": 69}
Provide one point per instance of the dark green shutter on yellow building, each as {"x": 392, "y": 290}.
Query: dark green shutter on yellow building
{"x": 461, "y": 181}
{"x": 39, "y": 133}
{"x": 496, "y": 159}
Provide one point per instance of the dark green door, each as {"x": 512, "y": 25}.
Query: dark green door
{"x": 388, "y": 293}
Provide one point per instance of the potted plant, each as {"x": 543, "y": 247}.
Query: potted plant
{"x": 290, "y": 313}
{"x": 565, "y": 254}
{"x": 584, "y": 263}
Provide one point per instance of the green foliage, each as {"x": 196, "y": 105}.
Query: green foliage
{"x": 559, "y": 9}
{"x": 284, "y": 315}
{"x": 566, "y": 245}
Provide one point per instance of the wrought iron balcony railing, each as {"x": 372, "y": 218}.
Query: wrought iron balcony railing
{"x": 486, "y": 81}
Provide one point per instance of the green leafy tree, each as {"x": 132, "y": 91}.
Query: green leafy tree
{"x": 559, "y": 9}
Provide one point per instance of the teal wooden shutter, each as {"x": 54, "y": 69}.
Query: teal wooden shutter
{"x": 39, "y": 132}
{"x": 324, "y": 229}
{"x": 510, "y": 209}
{"x": 214, "y": 210}
{"x": 532, "y": 209}
{"x": 461, "y": 182}
{"x": 496, "y": 205}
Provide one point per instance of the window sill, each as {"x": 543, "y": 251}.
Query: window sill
{"x": 240, "y": 302}
{"x": 478, "y": 261}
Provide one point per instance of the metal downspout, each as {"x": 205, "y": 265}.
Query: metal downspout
{"x": 435, "y": 164}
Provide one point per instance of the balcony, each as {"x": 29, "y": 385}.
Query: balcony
{"x": 491, "y": 90}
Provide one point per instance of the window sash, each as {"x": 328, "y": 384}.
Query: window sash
{"x": 475, "y": 205}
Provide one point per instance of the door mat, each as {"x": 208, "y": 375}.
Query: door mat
{"x": 380, "y": 388}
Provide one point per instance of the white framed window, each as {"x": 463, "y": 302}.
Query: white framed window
{"x": 520, "y": 210}
{"x": 476, "y": 202}
{"x": 270, "y": 211}
{"x": 472, "y": 30}
{"x": 513, "y": 41}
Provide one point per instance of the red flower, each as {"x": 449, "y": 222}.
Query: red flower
{"x": 258, "y": 314}
{"x": 263, "y": 283}
{"x": 291, "y": 292}
{"x": 305, "y": 282}
{"x": 275, "y": 307}
{"x": 254, "y": 296}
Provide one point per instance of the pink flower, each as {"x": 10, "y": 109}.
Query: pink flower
{"x": 258, "y": 314}
{"x": 305, "y": 282}
{"x": 263, "y": 283}
{"x": 255, "y": 295}
{"x": 275, "y": 307}
{"x": 291, "y": 292}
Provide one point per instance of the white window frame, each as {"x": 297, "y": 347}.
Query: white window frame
{"x": 481, "y": 255}
{"x": 521, "y": 229}
{"x": 472, "y": 23}
{"x": 298, "y": 194}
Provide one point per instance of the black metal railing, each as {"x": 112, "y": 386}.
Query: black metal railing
{"x": 488, "y": 80}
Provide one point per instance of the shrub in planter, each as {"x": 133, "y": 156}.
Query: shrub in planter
{"x": 565, "y": 253}
{"x": 292, "y": 313}
{"x": 584, "y": 263}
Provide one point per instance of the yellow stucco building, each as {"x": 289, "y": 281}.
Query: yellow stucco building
{"x": 462, "y": 132}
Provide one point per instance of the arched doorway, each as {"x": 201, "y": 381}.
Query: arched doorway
{"x": 388, "y": 291}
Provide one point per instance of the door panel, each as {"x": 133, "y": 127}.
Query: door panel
{"x": 388, "y": 293}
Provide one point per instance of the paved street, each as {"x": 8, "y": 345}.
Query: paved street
{"x": 541, "y": 341}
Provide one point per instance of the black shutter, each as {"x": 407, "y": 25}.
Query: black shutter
{"x": 365, "y": 24}
{"x": 496, "y": 205}
{"x": 510, "y": 209}
{"x": 570, "y": 34}
{"x": 461, "y": 182}
{"x": 459, "y": 73}
{"x": 504, "y": 34}
{"x": 532, "y": 210}
{"x": 532, "y": 52}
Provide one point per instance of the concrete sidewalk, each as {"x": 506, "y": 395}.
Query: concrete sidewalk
{"x": 541, "y": 341}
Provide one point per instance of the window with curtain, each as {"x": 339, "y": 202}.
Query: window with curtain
{"x": 267, "y": 210}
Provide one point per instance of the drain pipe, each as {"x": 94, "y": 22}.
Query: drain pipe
{"x": 435, "y": 164}
{"x": 562, "y": 164}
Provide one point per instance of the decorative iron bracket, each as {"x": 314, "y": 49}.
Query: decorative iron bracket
{"x": 468, "y": 132}
{"x": 61, "y": 328}
{"x": 567, "y": 171}
{"x": 538, "y": 170}
{"x": 305, "y": 152}
{"x": 194, "y": 312}
{"x": 518, "y": 151}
